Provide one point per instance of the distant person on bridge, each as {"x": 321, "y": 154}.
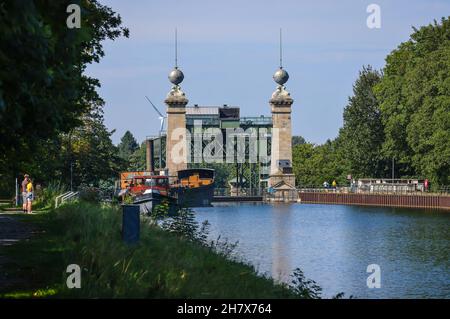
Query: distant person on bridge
{"x": 334, "y": 184}
{"x": 30, "y": 195}
{"x": 24, "y": 192}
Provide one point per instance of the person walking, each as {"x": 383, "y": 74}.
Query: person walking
{"x": 24, "y": 193}
{"x": 30, "y": 195}
{"x": 334, "y": 184}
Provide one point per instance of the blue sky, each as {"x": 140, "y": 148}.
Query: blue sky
{"x": 228, "y": 51}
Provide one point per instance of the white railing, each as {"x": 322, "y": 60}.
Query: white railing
{"x": 59, "y": 200}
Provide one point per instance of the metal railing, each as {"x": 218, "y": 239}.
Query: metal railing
{"x": 444, "y": 190}
{"x": 256, "y": 120}
{"x": 68, "y": 196}
{"x": 380, "y": 189}
{"x": 286, "y": 195}
{"x": 242, "y": 192}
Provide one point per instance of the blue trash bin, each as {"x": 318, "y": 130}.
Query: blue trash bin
{"x": 130, "y": 223}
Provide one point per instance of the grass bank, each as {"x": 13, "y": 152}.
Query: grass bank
{"x": 162, "y": 265}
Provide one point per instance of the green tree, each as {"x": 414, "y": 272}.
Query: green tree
{"x": 90, "y": 150}
{"x": 414, "y": 97}
{"x": 314, "y": 164}
{"x": 296, "y": 140}
{"x": 86, "y": 154}
{"x": 302, "y": 155}
{"x": 127, "y": 146}
{"x": 223, "y": 172}
{"x": 137, "y": 160}
{"x": 362, "y": 135}
{"x": 43, "y": 88}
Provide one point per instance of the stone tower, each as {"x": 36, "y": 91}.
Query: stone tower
{"x": 176, "y": 101}
{"x": 176, "y": 143}
{"x": 281, "y": 174}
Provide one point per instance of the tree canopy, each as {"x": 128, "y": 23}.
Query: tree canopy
{"x": 402, "y": 112}
{"x": 414, "y": 97}
{"x": 127, "y": 146}
{"x": 362, "y": 135}
{"x": 44, "y": 91}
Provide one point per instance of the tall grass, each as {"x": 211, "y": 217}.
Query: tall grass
{"x": 45, "y": 198}
{"x": 172, "y": 260}
{"x": 163, "y": 264}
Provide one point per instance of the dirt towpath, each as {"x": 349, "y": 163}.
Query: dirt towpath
{"x": 12, "y": 230}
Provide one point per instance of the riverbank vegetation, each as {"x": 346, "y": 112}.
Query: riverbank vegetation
{"x": 173, "y": 260}
{"x": 399, "y": 114}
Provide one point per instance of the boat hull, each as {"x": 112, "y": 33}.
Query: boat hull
{"x": 195, "y": 197}
{"x": 148, "y": 203}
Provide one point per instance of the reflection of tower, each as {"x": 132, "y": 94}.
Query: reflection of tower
{"x": 176, "y": 144}
{"x": 281, "y": 174}
{"x": 281, "y": 263}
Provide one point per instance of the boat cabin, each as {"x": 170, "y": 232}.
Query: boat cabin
{"x": 195, "y": 177}
{"x": 140, "y": 184}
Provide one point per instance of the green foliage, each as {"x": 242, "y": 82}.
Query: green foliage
{"x": 306, "y": 288}
{"x": 162, "y": 265}
{"x": 45, "y": 197}
{"x": 314, "y": 164}
{"x": 90, "y": 149}
{"x": 127, "y": 146}
{"x": 107, "y": 187}
{"x": 137, "y": 160}
{"x": 43, "y": 89}
{"x": 160, "y": 211}
{"x": 402, "y": 113}
{"x": 87, "y": 149}
{"x": 362, "y": 136}
{"x": 297, "y": 140}
{"x": 223, "y": 172}
{"x": 184, "y": 225}
{"x": 357, "y": 149}
{"x": 89, "y": 194}
{"x": 414, "y": 97}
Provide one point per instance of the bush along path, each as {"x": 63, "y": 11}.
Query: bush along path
{"x": 172, "y": 260}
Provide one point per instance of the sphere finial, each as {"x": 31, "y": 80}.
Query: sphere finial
{"x": 281, "y": 76}
{"x": 176, "y": 76}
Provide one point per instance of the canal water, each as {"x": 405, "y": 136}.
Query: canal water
{"x": 334, "y": 244}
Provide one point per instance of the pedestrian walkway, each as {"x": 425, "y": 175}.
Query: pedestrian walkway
{"x": 11, "y": 232}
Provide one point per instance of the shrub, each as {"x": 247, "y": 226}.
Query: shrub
{"x": 45, "y": 197}
{"x": 89, "y": 194}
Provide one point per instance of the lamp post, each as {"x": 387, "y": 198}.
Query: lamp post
{"x": 71, "y": 176}
{"x": 17, "y": 192}
{"x": 393, "y": 161}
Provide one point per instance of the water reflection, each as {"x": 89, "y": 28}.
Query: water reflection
{"x": 281, "y": 265}
{"x": 334, "y": 244}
